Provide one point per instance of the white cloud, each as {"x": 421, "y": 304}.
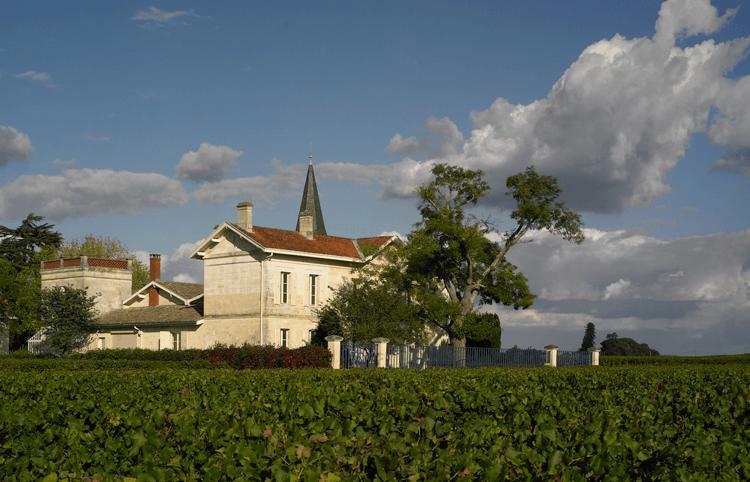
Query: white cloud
{"x": 81, "y": 192}
{"x": 185, "y": 278}
{"x": 209, "y": 163}
{"x": 93, "y": 136}
{"x": 440, "y": 138}
{"x": 14, "y": 145}
{"x": 403, "y": 146}
{"x": 36, "y": 76}
{"x": 612, "y": 126}
{"x": 258, "y": 189}
{"x": 154, "y": 15}
{"x": 659, "y": 292}
{"x": 618, "y": 289}
{"x": 178, "y": 265}
{"x": 63, "y": 163}
{"x": 397, "y": 180}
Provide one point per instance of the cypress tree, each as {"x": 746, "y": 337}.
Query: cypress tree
{"x": 588, "y": 337}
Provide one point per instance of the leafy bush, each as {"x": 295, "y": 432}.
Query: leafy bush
{"x": 666, "y": 360}
{"x": 242, "y": 357}
{"x": 648, "y": 423}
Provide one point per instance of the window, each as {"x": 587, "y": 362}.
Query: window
{"x": 313, "y": 289}
{"x": 100, "y": 344}
{"x": 285, "y": 287}
{"x": 284, "y": 338}
{"x": 175, "y": 340}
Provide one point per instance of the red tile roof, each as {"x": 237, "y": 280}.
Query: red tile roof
{"x": 372, "y": 243}
{"x": 272, "y": 238}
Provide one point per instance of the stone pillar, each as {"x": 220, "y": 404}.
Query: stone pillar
{"x": 84, "y": 261}
{"x": 551, "y": 355}
{"x": 594, "y": 356}
{"x": 334, "y": 346}
{"x": 382, "y": 344}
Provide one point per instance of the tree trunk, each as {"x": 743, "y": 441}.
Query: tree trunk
{"x": 459, "y": 352}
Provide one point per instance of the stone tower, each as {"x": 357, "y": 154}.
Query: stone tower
{"x": 109, "y": 279}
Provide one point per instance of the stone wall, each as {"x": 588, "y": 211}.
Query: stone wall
{"x": 111, "y": 286}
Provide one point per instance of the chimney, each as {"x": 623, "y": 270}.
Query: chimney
{"x": 306, "y": 225}
{"x": 245, "y": 215}
{"x": 154, "y": 273}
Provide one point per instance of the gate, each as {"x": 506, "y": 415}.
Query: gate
{"x": 358, "y": 355}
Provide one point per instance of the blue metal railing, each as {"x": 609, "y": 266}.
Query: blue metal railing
{"x": 446, "y": 356}
{"x": 573, "y": 358}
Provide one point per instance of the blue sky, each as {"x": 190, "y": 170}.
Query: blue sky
{"x": 109, "y": 87}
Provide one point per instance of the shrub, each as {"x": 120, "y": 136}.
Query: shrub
{"x": 240, "y": 357}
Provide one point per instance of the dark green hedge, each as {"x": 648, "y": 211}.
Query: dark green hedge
{"x": 242, "y": 357}
{"x": 665, "y": 360}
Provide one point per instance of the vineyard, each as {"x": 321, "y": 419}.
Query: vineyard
{"x": 172, "y": 423}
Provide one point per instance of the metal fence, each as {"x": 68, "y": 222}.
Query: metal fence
{"x": 573, "y": 358}
{"x": 36, "y": 345}
{"x": 446, "y": 356}
{"x": 358, "y": 355}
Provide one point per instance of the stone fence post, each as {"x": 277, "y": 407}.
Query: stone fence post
{"x": 594, "y": 356}
{"x": 334, "y": 346}
{"x": 551, "y": 355}
{"x": 382, "y": 344}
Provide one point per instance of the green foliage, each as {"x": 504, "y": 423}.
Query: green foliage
{"x": 671, "y": 360}
{"x": 589, "y": 336}
{"x": 650, "y": 423}
{"x": 67, "y": 315}
{"x": 482, "y": 329}
{"x": 365, "y": 308}
{"x": 239, "y": 357}
{"x": 20, "y": 245}
{"x": 451, "y": 266}
{"x": 614, "y": 345}
{"x": 21, "y": 250}
{"x": 103, "y": 247}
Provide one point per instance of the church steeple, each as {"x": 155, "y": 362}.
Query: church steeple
{"x": 310, "y": 217}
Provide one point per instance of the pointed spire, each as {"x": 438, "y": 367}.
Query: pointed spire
{"x": 310, "y": 205}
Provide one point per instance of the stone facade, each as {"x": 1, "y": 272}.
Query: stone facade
{"x": 110, "y": 285}
{"x": 261, "y": 286}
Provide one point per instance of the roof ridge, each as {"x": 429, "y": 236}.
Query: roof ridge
{"x": 356, "y": 246}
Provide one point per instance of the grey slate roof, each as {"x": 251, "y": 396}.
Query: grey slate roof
{"x": 311, "y": 203}
{"x": 185, "y": 290}
{"x": 152, "y": 315}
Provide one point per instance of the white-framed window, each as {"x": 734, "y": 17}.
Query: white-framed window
{"x": 285, "y": 286}
{"x": 284, "y": 337}
{"x": 100, "y": 345}
{"x": 314, "y": 289}
{"x": 175, "y": 340}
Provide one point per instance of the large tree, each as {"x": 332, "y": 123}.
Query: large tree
{"x": 455, "y": 262}
{"x": 103, "y": 247}
{"x": 589, "y": 336}
{"x": 614, "y": 345}
{"x": 367, "y": 307}
{"x": 21, "y": 245}
{"x": 21, "y": 249}
{"x": 67, "y": 315}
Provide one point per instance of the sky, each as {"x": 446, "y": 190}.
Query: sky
{"x": 148, "y": 122}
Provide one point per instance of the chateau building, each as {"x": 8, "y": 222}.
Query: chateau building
{"x": 261, "y": 285}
